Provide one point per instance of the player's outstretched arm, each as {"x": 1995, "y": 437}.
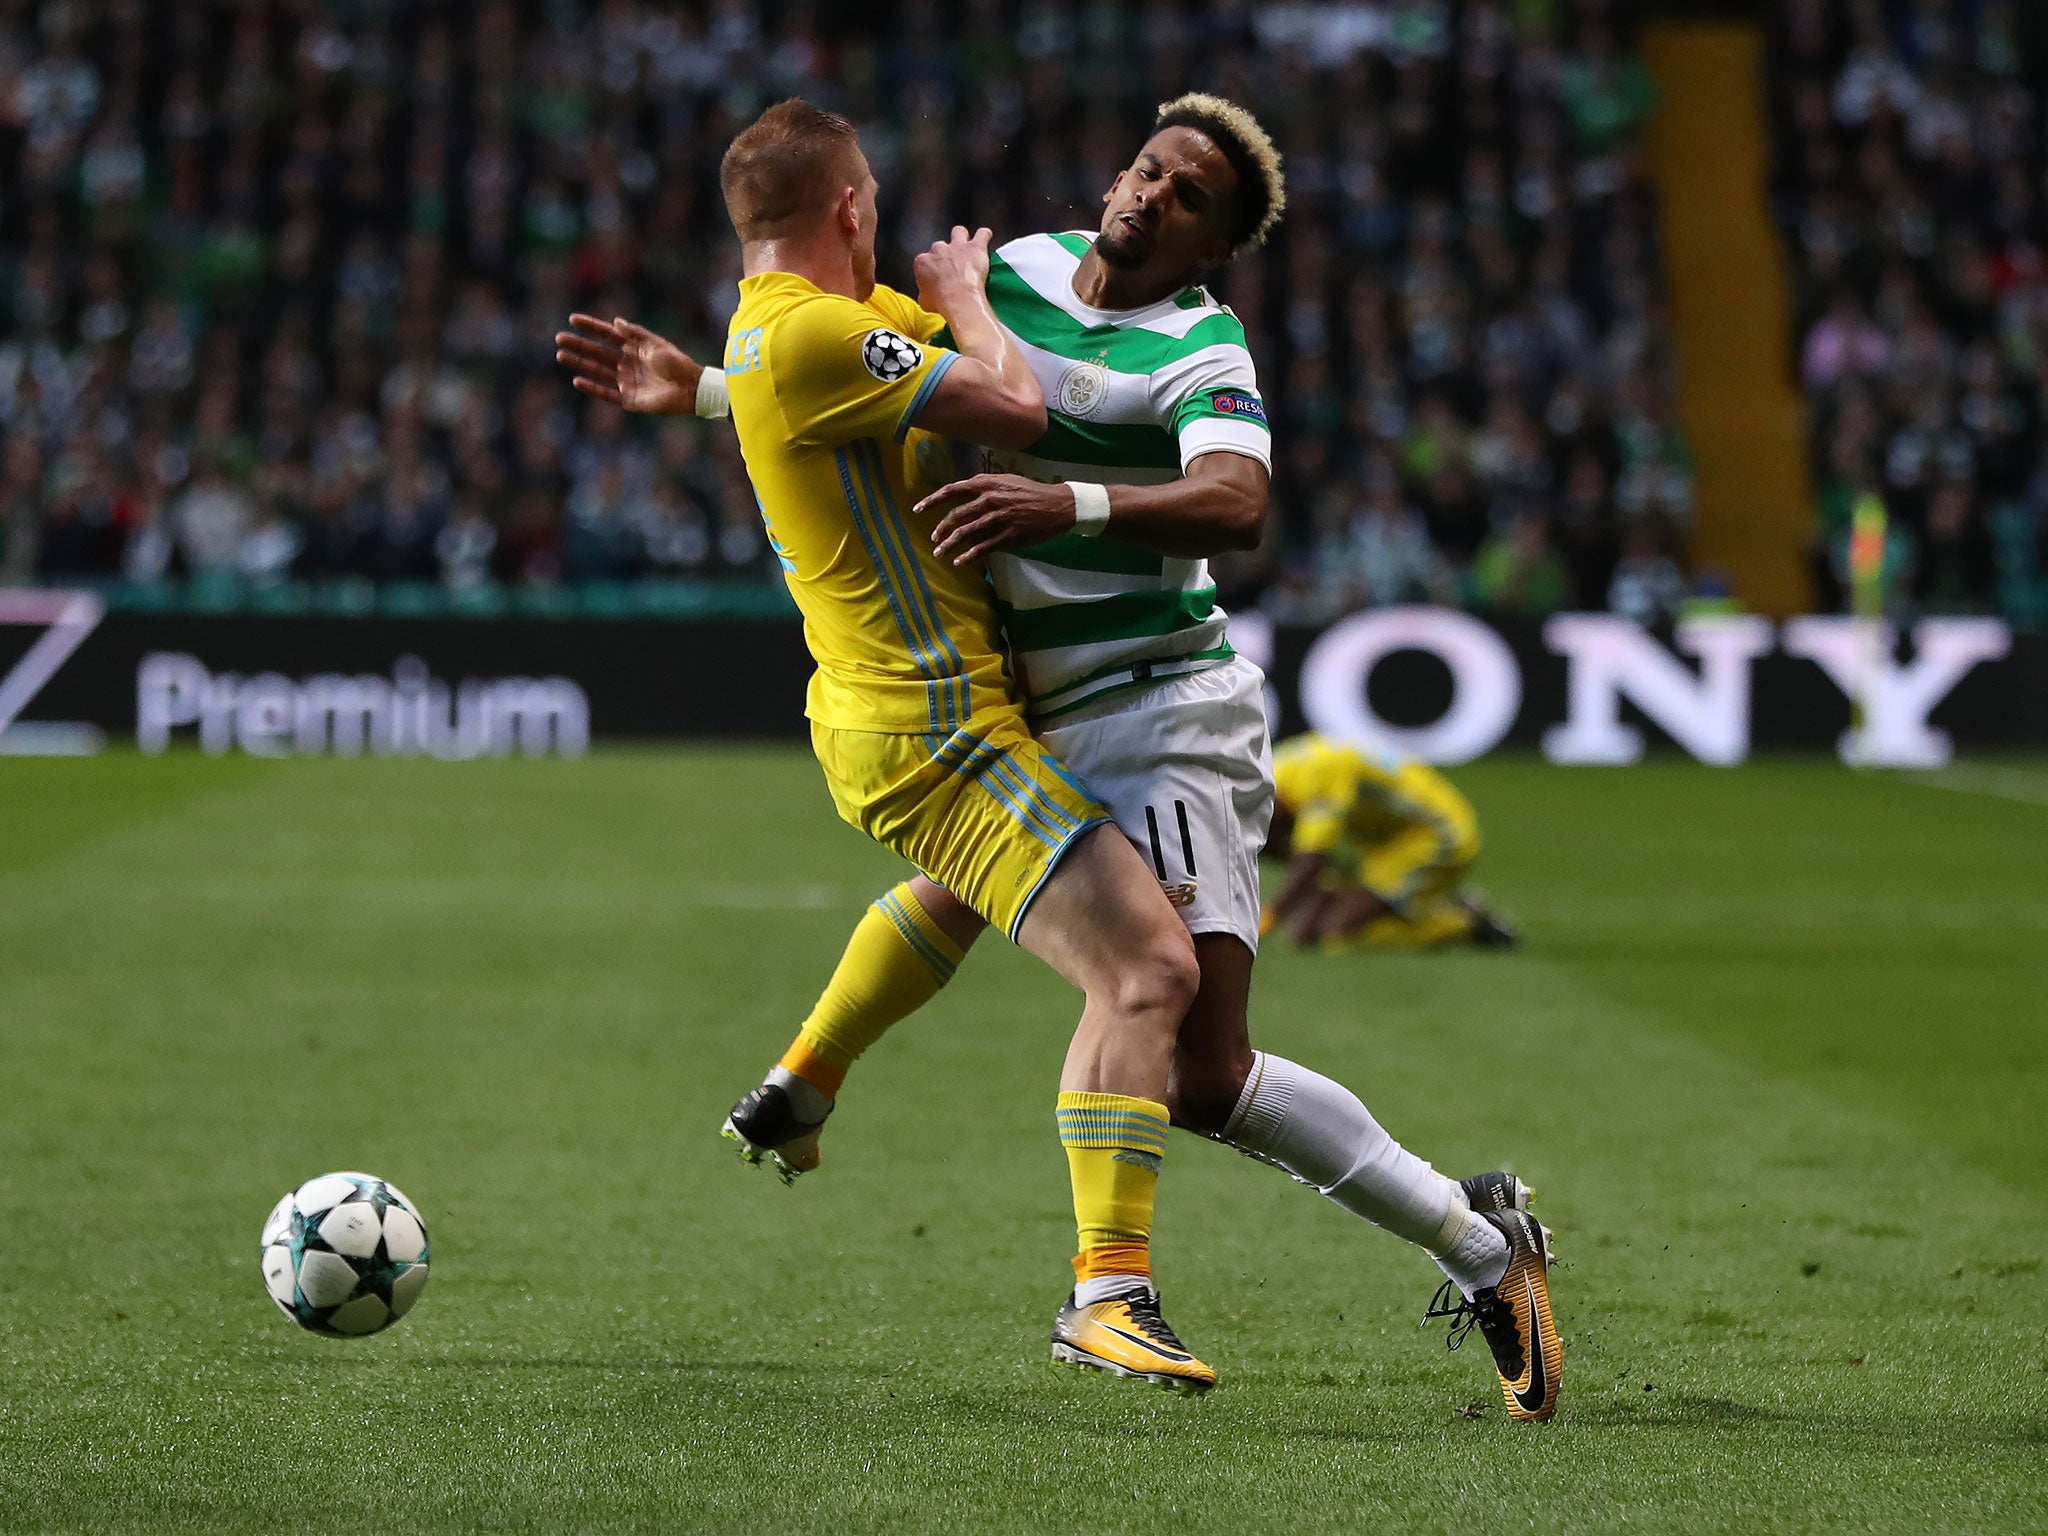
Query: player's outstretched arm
{"x": 989, "y": 396}
{"x": 629, "y": 365}
{"x": 1218, "y": 505}
{"x": 1301, "y": 885}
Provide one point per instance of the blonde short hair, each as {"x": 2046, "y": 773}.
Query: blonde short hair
{"x": 1261, "y": 186}
{"x": 783, "y": 169}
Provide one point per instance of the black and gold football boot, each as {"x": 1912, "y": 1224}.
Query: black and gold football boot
{"x": 1513, "y": 1316}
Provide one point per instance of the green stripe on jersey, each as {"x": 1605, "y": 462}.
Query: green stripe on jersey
{"x": 1127, "y": 616}
{"x": 1126, "y": 349}
{"x": 1141, "y": 446}
{"x": 1073, "y": 552}
{"x": 1076, "y": 245}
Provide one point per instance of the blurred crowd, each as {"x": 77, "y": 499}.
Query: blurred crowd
{"x": 278, "y": 278}
{"x": 1910, "y": 186}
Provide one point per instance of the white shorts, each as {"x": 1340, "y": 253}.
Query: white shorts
{"x": 1186, "y": 768}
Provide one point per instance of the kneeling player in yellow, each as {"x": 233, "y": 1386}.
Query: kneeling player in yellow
{"x": 1377, "y": 847}
{"x": 837, "y": 390}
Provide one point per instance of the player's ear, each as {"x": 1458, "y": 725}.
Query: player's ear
{"x": 847, "y": 210}
{"x": 1220, "y": 219}
{"x": 1114, "y": 184}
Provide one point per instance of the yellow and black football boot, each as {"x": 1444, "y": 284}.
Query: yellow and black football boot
{"x": 1514, "y": 1317}
{"x": 767, "y": 1128}
{"x": 1126, "y": 1336}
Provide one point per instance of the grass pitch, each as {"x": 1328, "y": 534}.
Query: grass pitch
{"x": 1774, "y": 1054}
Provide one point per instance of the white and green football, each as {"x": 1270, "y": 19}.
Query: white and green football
{"x": 344, "y": 1254}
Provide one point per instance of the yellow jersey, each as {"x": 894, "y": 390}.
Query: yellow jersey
{"x": 826, "y": 392}
{"x": 1341, "y": 795}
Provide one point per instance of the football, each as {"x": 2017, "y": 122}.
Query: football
{"x": 344, "y": 1254}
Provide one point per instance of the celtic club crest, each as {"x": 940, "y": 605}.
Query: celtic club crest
{"x": 1082, "y": 390}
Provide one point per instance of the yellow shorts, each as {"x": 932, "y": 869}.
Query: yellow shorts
{"x": 986, "y": 812}
{"x": 1414, "y": 869}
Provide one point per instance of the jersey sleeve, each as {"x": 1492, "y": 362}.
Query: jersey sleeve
{"x": 1211, "y": 396}
{"x": 903, "y": 313}
{"x": 842, "y": 372}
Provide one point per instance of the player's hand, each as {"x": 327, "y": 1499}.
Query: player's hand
{"x": 984, "y": 513}
{"x": 629, "y": 365}
{"x": 953, "y": 266}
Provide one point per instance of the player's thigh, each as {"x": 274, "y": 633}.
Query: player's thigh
{"x": 1186, "y": 770}
{"x": 1101, "y": 921}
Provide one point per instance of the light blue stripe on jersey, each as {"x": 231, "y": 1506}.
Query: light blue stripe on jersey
{"x": 924, "y": 393}
{"x": 895, "y": 538}
{"x": 938, "y": 707}
{"x": 860, "y": 526}
{"x": 963, "y": 707}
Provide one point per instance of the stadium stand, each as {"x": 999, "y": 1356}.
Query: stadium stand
{"x": 277, "y": 283}
{"x": 1909, "y": 186}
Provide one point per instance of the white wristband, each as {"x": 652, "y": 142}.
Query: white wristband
{"x": 1091, "y": 507}
{"x": 712, "y": 400}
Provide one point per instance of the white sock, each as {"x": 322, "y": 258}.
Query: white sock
{"x": 1320, "y": 1132}
{"x": 1478, "y": 1258}
{"x": 1102, "y": 1287}
{"x": 806, "y": 1100}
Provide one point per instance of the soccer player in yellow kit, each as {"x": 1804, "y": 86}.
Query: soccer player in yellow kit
{"x": 836, "y": 390}
{"x": 1378, "y": 847}
{"x": 1183, "y": 198}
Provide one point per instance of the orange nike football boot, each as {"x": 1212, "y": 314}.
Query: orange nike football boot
{"x": 1126, "y": 1336}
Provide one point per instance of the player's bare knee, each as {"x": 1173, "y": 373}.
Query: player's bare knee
{"x": 1159, "y": 980}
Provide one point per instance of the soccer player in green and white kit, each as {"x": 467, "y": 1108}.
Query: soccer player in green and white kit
{"x": 1157, "y": 455}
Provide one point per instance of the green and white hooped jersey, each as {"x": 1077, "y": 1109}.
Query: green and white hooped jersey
{"x": 1134, "y": 396}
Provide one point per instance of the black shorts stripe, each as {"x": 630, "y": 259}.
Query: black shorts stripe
{"x": 1187, "y": 843}
{"x": 1158, "y": 857}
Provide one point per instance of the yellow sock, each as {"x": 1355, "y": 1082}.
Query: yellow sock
{"x": 1113, "y": 1147}
{"x": 894, "y": 964}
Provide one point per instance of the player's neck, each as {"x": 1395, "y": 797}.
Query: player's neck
{"x": 1101, "y": 286}
{"x": 828, "y": 265}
